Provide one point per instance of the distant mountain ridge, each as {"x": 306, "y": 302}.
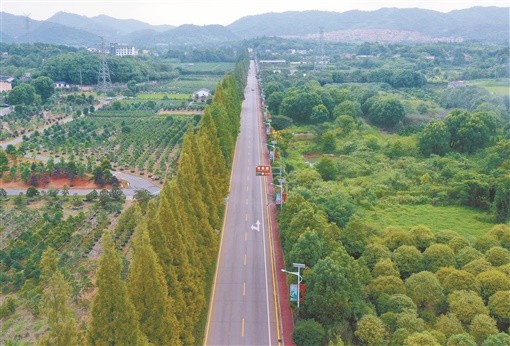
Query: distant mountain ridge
{"x": 489, "y": 24}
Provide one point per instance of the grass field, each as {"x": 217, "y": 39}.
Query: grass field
{"x": 498, "y": 87}
{"x": 465, "y": 221}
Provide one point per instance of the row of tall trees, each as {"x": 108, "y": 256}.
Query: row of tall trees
{"x": 175, "y": 244}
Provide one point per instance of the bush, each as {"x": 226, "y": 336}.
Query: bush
{"x": 308, "y": 332}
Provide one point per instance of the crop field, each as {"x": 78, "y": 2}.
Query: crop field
{"x": 190, "y": 84}
{"x": 138, "y": 144}
{"x": 161, "y": 96}
{"x": 207, "y": 68}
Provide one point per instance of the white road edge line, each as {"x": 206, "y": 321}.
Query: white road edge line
{"x": 263, "y": 231}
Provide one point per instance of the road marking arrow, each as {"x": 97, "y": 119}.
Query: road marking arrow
{"x": 257, "y": 228}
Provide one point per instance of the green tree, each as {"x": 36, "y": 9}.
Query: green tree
{"x": 387, "y": 112}
{"x": 459, "y": 280}
{"x": 324, "y": 300}
{"x": 492, "y": 281}
{"x": 434, "y": 139}
{"x": 319, "y": 114}
{"x": 177, "y": 253}
{"x": 308, "y": 332}
{"x": 348, "y": 107}
{"x": 22, "y": 94}
{"x": 113, "y": 315}
{"x": 148, "y": 291}
{"x": 477, "y": 266}
{"x": 482, "y": 326}
{"x": 3, "y": 162}
{"x": 421, "y": 338}
{"x": 374, "y": 252}
{"x": 424, "y": 289}
{"x": 466, "y": 255}
{"x": 501, "y": 204}
{"x": 499, "y": 306}
{"x": 371, "y": 330}
{"x": 385, "y": 285}
{"x": 398, "y": 303}
{"x": 346, "y": 124}
{"x": 44, "y": 86}
{"x": 327, "y": 168}
{"x": 461, "y": 340}
{"x": 497, "y": 256}
{"x": 422, "y": 237}
{"x": 466, "y": 305}
{"x": 385, "y": 267}
{"x": 497, "y": 340}
{"x": 308, "y": 249}
{"x": 408, "y": 259}
{"x": 62, "y": 329}
{"x": 395, "y": 237}
{"x": 437, "y": 256}
{"x": 449, "y": 325}
{"x": 327, "y": 142}
{"x": 55, "y": 304}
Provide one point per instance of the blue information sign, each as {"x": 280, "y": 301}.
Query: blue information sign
{"x": 278, "y": 198}
{"x": 293, "y": 292}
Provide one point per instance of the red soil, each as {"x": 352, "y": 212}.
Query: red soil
{"x": 56, "y": 183}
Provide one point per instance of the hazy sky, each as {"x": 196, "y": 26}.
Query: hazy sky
{"x": 201, "y": 12}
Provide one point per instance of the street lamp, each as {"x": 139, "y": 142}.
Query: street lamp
{"x": 299, "y": 266}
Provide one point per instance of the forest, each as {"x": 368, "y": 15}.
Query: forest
{"x": 396, "y": 161}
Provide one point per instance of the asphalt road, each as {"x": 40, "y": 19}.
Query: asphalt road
{"x": 242, "y": 310}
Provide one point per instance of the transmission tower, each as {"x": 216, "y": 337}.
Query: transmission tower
{"x": 320, "y": 58}
{"x": 104, "y": 82}
{"x": 27, "y": 26}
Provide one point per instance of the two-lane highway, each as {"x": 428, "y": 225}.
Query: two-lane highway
{"x": 243, "y": 309}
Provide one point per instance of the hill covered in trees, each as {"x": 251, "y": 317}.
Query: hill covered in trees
{"x": 489, "y": 24}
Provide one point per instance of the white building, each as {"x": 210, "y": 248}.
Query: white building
{"x": 118, "y": 49}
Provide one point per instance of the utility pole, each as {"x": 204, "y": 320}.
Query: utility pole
{"x": 104, "y": 82}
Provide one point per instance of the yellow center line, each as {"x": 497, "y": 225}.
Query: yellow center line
{"x": 245, "y": 236}
{"x": 246, "y": 217}
{"x": 246, "y": 200}
{"x": 242, "y": 327}
{"x": 244, "y": 289}
{"x": 244, "y": 259}
{"x": 247, "y": 188}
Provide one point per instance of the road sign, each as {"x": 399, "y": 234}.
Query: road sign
{"x": 271, "y": 156}
{"x": 263, "y": 170}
